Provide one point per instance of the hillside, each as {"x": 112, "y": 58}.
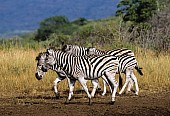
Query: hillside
{"x": 20, "y": 16}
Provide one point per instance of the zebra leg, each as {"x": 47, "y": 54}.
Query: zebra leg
{"x": 98, "y": 86}
{"x": 130, "y": 85}
{"x": 83, "y": 84}
{"x": 104, "y": 87}
{"x": 113, "y": 83}
{"x": 105, "y": 82}
{"x": 57, "y": 80}
{"x": 128, "y": 74}
{"x": 71, "y": 87}
{"x": 95, "y": 84}
{"x": 136, "y": 83}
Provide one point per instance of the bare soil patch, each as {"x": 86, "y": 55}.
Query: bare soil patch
{"x": 146, "y": 104}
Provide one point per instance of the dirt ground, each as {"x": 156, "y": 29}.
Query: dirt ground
{"x": 146, "y": 104}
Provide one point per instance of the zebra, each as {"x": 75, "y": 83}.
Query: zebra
{"x": 125, "y": 56}
{"x": 41, "y": 58}
{"x": 127, "y": 62}
{"x": 76, "y": 51}
{"x": 81, "y": 68}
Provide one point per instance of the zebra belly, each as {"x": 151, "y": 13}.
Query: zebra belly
{"x": 92, "y": 74}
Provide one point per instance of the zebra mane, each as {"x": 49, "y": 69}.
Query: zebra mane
{"x": 63, "y": 47}
{"x": 39, "y": 55}
{"x": 67, "y": 47}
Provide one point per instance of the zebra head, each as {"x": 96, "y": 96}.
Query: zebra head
{"x": 67, "y": 48}
{"x": 74, "y": 50}
{"x": 41, "y": 65}
{"x": 50, "y": 59}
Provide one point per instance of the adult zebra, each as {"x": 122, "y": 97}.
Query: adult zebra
{"x": 41, "y": 58}
{"x": 81, "y": 68}
{"x": 127, "y": 62}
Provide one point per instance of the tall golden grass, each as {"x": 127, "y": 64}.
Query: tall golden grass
{"x": 18, "y": 67}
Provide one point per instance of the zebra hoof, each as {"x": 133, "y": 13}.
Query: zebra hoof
{"x": 103, "y": 94}
{"x": 112, "y": 102}
{"x": 136, "y": 94}
{"x": 120, "y": 93}
{"x": 133, "y": 90}
{"x": 57, "y": 95}
{"x": 90, "y": 101}
{"x": 67, "y": 101}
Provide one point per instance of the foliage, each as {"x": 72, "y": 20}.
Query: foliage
{"x": 155, "y": 37}
{"x": 111, "y": 32}
{"x": 57, "y": 39}
{"x": 80, "y": 21}
{"x": 49, "y": 26}
{"x": 58, "y": 25}
{"x": 136, "y": 10}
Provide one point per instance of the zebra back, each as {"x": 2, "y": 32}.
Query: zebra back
{"x": 120, "y": 52}
{"x": 77, "y": 66}
{"x": 126, "y": 57}
{"x": 75, "y": 50}
{"x": 116, "y": 52}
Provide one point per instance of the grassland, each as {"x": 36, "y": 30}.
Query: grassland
{"x": 18, "y": 67}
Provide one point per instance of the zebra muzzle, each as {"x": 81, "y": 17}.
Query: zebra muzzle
{"x": 38, "y": 77}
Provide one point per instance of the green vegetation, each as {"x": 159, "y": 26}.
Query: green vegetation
{"x": 58, "y": 25}
{"x": 144, "y": 23}
{"x": 137, "y": 10}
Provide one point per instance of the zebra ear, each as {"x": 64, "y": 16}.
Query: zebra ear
{"x": 64, "y": 48}
{"x": 37, "y": 58}
{"x": 62, "y": 43}
{"x": 49, "y": 51}
{"x": 69, "y": 47}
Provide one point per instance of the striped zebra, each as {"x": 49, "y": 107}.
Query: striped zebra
{"x": 127, "y": 62}
{"x": 41, "y": 58}
{"x": 81, "y": 68}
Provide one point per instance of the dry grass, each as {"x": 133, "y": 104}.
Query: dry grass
{"x": 156, "y": 71}
{"x": 18, "y": 67}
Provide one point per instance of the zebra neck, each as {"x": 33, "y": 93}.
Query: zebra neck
{"x": 65, "y": 61}
{"x": 99, "y": 52}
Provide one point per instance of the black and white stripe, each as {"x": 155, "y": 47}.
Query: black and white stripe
{"x": 127, "y": 62}
{"x": 41, "y": 69}
{"x": 75, "y": 50}
{"x": 83, "y": 67}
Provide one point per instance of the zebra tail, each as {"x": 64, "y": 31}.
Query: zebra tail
{"x": 120, "y": 82}
{"x": 139, "y": 70}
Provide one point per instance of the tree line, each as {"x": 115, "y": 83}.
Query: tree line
{"x": 141, "y": 20}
